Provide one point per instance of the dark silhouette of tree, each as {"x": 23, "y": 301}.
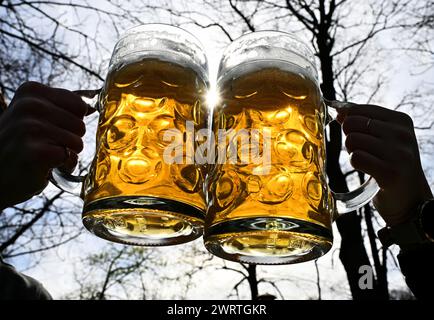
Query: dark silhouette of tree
{"x": 248, "y": 273}
{"x": 117, "y": 272}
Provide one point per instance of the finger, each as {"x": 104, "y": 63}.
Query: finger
{"x": 375, "y": 112}
{"x": 69, "y": 101}
{"x": 369, "y": 111}
{"x": 369, "y": 164}
{"x": 365, "y": 142}
{"x": 45, "y": 110}
{"x": 35, "y": 130}
{"x": 63, "y": 119}
{"x": 356, "y": 124}
{"x": 70, "y": 163}
{"x": 366, "y": 125}
{"x": 46, "y": 155}
{"x": 62, "y": 98}
{"x": 390, "y": 133}
{"x": 65, "y": 138}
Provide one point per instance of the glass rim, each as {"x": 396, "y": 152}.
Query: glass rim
{"x": 149, "y": 40}
{"x": 236, "y": 45}
{"x": 131, "y": 30}
{"x": 270, "y": 31}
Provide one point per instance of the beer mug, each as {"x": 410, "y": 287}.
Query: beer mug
{"x": 156, "y": 84}
{"x": 278, "y": 210}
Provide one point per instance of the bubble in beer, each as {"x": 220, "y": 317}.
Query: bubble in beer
{"x": 278, "y": 117}
{"x": 287, "y": 144}
{"x": 261, "y": 169}
{"x": 129, "y": 151}
{"x": 197, "y": 113}
{"x": 182, "y": 111}
{"x": 102, "y": 168}
{"x": 227, "y": 121}
{"x": 312, "y": 188}
{"x": 253, "y": 184}
{"x": 227, "y": 189}
{"x": 180, "y": 124}
{"x": 99, "y": 170}
{"x": 281, "y": 116}
{"x": 187, "y": 177}
{"x": 285, "y": 150}
{"x": 135, "y": 170}
{"x": 145, "y": 105}
{"x": 121, "y": 133}
{"x": 150, "y": 153}
{"x": 277, "y": 189}
{"x": 255, "y": 116}
{"x": 307, "y": 151}
{"x": 159, "y": 125}
{"x": 311, "y": 123}
{"x": 235, "y": 120}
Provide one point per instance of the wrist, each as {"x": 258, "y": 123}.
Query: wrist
{"x": 413, "y": 232}
{"x": 408, "y": 212}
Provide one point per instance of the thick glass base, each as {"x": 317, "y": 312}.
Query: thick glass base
{"x": 268, "y": 240}
{"x": 143, "y": 221}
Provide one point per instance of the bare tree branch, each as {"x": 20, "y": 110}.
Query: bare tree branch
{"x": 53, "y": 54}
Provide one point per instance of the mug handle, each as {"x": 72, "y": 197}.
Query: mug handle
{"x": 352, "y": 200}
{"x": 64, "y": 180}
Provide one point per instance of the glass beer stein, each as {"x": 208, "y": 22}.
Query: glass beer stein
{"x": 278, "y": 210}
{"x": 156, "y": 84}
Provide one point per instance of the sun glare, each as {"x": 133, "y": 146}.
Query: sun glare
{"x": 212, "y": 97}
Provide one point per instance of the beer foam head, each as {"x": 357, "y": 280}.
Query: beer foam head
{"x": 269, "y": 46}
{"x": 161, "y": 41}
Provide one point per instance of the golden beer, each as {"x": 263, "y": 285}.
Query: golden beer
{"x": 277, "y": 212}
{"x": 130, "y": 192}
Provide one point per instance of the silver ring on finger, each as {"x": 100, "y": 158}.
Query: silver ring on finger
{"x": 67, "y": 153}
{"x": 368, "y": 125}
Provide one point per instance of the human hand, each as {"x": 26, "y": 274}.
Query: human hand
{"x": 40, "y": 130}
{"x": 383, "y": 144}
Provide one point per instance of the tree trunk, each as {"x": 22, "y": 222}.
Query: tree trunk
{"x": 381, "y": 285}
{"x": 353, "y": 253}
{"x": 253, "y": 281}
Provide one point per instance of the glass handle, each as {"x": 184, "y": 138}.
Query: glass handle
{"x": 64, "y": 180}
{"x": 352, "y": 200}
